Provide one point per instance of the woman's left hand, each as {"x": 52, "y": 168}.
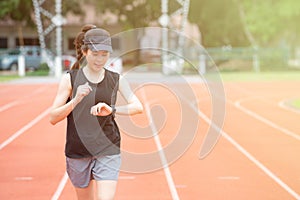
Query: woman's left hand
{"x": 101, "y": 109}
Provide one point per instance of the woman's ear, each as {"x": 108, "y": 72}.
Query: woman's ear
{"x": 84, "y": 49}
{"x": 84, "y": 52}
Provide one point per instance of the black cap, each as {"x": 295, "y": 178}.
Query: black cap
{"x": 98, "y": 39}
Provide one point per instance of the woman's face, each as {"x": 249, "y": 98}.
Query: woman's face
{"x": 96, "y": 59}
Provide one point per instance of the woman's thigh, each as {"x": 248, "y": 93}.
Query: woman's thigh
{"x": 106, "y": 189}
{"x": 86, "y": 193}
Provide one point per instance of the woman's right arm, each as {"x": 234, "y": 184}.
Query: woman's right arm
{"x": 60, "y": 109}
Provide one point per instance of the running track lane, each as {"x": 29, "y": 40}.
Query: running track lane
{"x": 30, "y": 163}
{"x": 28, "y": 103}
{"x": 225, "y": 173}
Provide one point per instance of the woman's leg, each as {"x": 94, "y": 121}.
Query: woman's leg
{"x": 106, "y": 189}
{"x": 85, "y": 193}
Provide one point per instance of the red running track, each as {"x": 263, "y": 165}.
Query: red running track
{"x": 257, "y": 156}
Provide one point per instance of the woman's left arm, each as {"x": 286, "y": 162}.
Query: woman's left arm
{"x": 134, "y": 106}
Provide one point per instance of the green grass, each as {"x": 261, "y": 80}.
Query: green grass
{"x": 5, "y": 78}
{"x": 38, "y": 73}
{"x": 262, "y": 76}
{"x": 9, "y": 77}
{"x": 296, "y": 103}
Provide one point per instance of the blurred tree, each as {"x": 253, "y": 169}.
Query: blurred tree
{"x": 22, "y": 10}
{"x": 226, "y": 22}
{"x": 246, "y": 22}
{"x": 218, "y": 22}
{"x": 72, "y": 6}
{"x": 260, "y": 20}
{"x": 269, "y": 22}
{"x": 17, "y": 10}
{"x": 131, "y": 13}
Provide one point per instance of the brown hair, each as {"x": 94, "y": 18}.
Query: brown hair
{"x": 79, "y": 45}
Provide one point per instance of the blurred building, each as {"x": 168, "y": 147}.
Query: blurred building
{"x": 14, "y": 34}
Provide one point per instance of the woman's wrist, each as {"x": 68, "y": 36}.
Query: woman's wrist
{"x": 74, "y": 102}
{"x": 113, "y": 109}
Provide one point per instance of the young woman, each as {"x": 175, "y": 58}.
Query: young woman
{"x": 86, "y": 97}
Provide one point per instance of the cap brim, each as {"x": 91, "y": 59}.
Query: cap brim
{"x": 100, "y": 47}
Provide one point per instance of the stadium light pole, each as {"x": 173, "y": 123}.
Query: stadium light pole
{"x": 171, "y": 65}
{"x": 57, "y": 22}
{"x": 164, "y": 21}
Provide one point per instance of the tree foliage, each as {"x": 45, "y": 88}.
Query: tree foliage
{"x": 131, "y": 13}
{"x": 246, "y": 22}
{"x": 218, "y": 22}
{"x": 226, "y": 22}
{"x": 17, "y": 10}
{"x": 22, "y": 10}
{"x": 272, "y": 21}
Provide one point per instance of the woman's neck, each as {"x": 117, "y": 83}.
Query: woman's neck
{"x": 93, "y": 76}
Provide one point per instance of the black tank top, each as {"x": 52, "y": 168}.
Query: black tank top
{"x": 89, "y": 135}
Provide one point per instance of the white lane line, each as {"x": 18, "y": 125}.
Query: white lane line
{"x": 16, "y": 102}
{"x": 229, "y": 178}
{"x": 9, "y": 105}
{"x": 60, "y": 187}
{"x": 64, "y": 181}
{"x": 126, "y": 177}
{"x": 159, "y": 147}
{"x": 24, "y": 178}
{"x": 24, "y": 128}
{"x": 169, "y": 178}
{"x": 246, "y": 153}
{"x": 249, "y": 156}
{"x": 282, "y": 104}
{"x": 238, "y": 105}
{"x": 252, "y": 95}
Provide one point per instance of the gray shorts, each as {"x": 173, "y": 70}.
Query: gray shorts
{"x": 81, "y": 171}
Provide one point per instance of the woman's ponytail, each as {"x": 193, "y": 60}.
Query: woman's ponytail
{"x": 79, "y": 45}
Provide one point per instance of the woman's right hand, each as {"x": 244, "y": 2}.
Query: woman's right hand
{"x": 82, "y": 91}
